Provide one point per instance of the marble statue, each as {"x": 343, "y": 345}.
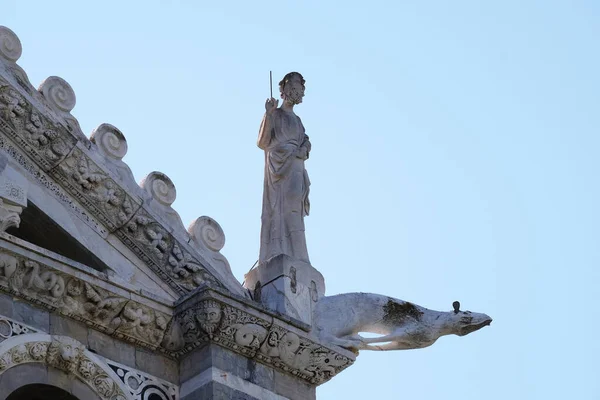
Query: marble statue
{"x": 403, "y": 325}
{"x": 286, "y": 184}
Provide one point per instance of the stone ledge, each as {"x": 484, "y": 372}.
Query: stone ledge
{"x": 40, "y": 124}
{"x": 240, "y": 326}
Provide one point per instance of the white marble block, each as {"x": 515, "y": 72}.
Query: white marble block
{"x": 288, "y": 286}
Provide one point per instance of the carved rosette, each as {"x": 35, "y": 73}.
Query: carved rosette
{"x": 255, "y": 337}
{"x": 65, "y": 354}
{"x": 47, "y": 143}
{"x": 82, "y": 301}
{"x": 96, "y": 189}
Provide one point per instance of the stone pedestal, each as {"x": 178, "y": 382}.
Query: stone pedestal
{"x": 287, "y": 286}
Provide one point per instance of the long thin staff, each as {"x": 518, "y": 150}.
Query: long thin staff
{"x": 271, "y": 82}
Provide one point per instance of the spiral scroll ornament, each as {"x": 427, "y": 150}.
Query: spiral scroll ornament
{"x": 10, "y": 45}
{"x": 110, "y": 141}
{"x": 208, "y": 232}
{"x": 59, "y": 93}
{"x": 160, "y": 187}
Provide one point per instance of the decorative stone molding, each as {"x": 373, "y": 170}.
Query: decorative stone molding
{"x": 42, "y": 128}
{"x": 111, "y": 144}
{"x": 138, "y": 384}
{"x": 10, "y": 328}
{"x": 255, "y": 334}
{"x": 83, "y": 301}
{"x": 160, "y": 193}
{"x": 208, "y": 237}
{"x": 96, "y": 190}
{"x": 65, "y": 354}
{"x": 49, "y": 184}
{"x": 59, "y": 94}
{"x": 141, "y": 386}
{"x": 10, "y": 45}
{"x": 45, "y": 142}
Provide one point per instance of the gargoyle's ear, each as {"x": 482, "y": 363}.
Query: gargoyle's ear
{"x": 456, "y": 306}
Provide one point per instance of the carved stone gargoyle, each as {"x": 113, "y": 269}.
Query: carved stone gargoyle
{"x": 339, "y": 320}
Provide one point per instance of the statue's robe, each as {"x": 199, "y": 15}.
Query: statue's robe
{"x": 286, "y": 186}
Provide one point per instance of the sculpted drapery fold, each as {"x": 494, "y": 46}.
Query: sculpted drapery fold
{"x": 286, "y": 186}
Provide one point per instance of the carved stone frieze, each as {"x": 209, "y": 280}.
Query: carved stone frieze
{"x": 96, "y": 190}
{"x": 253, "y": 336}
{"x": 65, "y": 354}
{"x": 54, "y": 188}
{"x": 159, "y": 250}
{"x": 45, "y": 142}
{"x": 97, "y": 307}
{"x": 140, "y": 325}
{"x": 36, "y": 127}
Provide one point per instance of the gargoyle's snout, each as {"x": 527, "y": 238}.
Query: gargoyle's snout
{"x": 472, "y": 323}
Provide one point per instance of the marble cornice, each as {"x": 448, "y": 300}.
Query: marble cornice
{"x": 92, "y": 172}
{"x": 209, "y": 315}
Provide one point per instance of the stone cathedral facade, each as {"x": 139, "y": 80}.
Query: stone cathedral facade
{"x": 104, "y": 294}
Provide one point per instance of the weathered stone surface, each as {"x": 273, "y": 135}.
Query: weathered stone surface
{"x": 59, "y": 379}
{"x": 292, "y": 388}
{"x": 60, "y": 325}
{"x": 215, "y": 356}
{"x": 6, "y": 305}
{"x": 21, "y": 375}
{"x": 157, "y": 365}
{"x": 217, "y": 391}
{"x": 113, "y": 349}
{"x": 288, "y": 286}
{"x": 82, "y": 391}
{"x": 31, "y": 315}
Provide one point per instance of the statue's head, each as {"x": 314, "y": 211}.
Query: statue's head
{"x": 292, "y": 88}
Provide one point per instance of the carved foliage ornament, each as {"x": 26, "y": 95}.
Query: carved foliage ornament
{"x": 252, "y": 336}
{"x": 45, "y": 142}
{"x": 159, "y": 250}
{"x": 105, "y": 311}
{"x": 95, "y": 189}
{"x": 65, "y": 354}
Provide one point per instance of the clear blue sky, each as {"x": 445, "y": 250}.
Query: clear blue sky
{"x": 454, "y": 158}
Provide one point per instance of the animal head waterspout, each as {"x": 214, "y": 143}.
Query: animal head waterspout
{"x": 466, "y": 322}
